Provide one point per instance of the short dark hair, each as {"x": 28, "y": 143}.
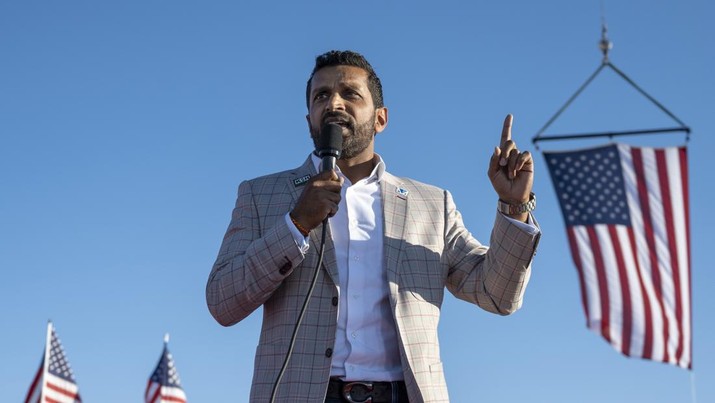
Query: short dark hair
{"x": 348, "y": 58}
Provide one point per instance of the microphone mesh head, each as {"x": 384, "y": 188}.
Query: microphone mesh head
{"x": 330, "y": 141}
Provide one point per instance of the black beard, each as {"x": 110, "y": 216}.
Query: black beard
{"x": 359, "y": 139}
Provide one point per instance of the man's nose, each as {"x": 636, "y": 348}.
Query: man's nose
{"x": 335, "y": 103}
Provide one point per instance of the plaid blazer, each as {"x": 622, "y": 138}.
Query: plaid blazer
{"x": 426, "y": 248}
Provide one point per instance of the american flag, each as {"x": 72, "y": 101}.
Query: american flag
{"x": 54, "y": 381}
{"x": 164, "y": 385}
{"x": 627, "y": 219}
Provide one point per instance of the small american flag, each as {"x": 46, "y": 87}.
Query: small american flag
{"x": 54, "y": 381}
{"x": 164, "y": 385}
{"x": 627, "y": 220}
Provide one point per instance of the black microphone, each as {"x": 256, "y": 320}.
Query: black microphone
{"x": 330, "y": 145}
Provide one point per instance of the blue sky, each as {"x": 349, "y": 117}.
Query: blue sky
{"x": 126, "y": 127}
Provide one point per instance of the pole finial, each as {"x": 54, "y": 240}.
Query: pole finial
{"x": 166, "y": 338}
{"x": 604, "y": 44}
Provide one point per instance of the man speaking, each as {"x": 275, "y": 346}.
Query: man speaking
{"x": 369, "y": 332}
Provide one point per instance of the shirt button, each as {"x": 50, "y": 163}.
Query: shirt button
{"x": 354, "y": 335}
{"x": 357, "y": 258}
{"x": 335, "y": 301}
{"x": 329, "y": 352}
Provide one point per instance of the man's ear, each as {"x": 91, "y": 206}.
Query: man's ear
{"x": 380, "y": 119}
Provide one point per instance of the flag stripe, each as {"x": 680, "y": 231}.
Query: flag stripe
{"x": 647, "y": 329}
{"x": 153, "y": 392}
{"x": 577, "y": 260}
{"x": 590, "y": 279}
{"x": 626, "y": 307}
{"x": 602, "y": 284}
{"x": 172, "y": 399}
{"x": 613, "y": 288}
{"x": 61, "y": 390}
{"x": 635, "y": 292}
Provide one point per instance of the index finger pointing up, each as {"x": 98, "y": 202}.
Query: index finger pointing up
{"x": 506, "y": 130}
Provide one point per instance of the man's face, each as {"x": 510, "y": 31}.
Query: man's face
{"x": 339, "y": 94}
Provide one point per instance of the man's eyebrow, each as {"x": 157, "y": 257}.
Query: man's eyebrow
{"x": 352, "y": 84}
{"x": 318, "y": 89}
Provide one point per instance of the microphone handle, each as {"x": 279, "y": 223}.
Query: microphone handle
{"x": 329, "y": 162}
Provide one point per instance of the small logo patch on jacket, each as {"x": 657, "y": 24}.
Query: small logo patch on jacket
{"x": 301, "y": 181}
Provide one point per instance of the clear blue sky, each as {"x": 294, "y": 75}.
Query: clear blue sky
{"x": 126, "y": 127}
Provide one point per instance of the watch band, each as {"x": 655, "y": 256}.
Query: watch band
{"x": 511, "y": 209}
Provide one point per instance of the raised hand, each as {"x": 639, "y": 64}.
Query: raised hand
{"x": 511, "y": 172}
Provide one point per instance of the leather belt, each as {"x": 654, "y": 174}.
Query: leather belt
{"x": 367, "y": 391}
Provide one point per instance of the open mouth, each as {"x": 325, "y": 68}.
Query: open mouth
{"x": 342, "y": 123}
{"x": 337, "y": 119}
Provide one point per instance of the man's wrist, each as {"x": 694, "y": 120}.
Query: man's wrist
{"x": 303, "y": 231}
{"x": 515, "y": 210}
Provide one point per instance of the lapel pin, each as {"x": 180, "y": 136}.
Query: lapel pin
{"x": 402, "y": 192}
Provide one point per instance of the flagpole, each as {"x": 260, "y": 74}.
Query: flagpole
{"x": 165, "y": 375}
{"x": 692, "y": 386}
{"x": 45, "y": 360}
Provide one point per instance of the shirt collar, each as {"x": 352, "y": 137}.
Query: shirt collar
{"x": 375, "y": 176}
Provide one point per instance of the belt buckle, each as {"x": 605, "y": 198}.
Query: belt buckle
{"x": 348, "y": 388}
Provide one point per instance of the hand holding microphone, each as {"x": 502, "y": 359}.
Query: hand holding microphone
{"x": 321, "y": 195}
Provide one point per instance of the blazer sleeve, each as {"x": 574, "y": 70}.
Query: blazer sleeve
{"x": 493, "y": 277}
{"x": 251, "y": 263}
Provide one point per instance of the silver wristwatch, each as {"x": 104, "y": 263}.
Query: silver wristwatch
{"x": 511, "y": 209}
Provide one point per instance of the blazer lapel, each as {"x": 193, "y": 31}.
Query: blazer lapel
{"x": 298, "y": 179}
{"x": 395, "y": 197}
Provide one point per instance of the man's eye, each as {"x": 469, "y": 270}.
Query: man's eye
{"x": 319, "y": 96}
